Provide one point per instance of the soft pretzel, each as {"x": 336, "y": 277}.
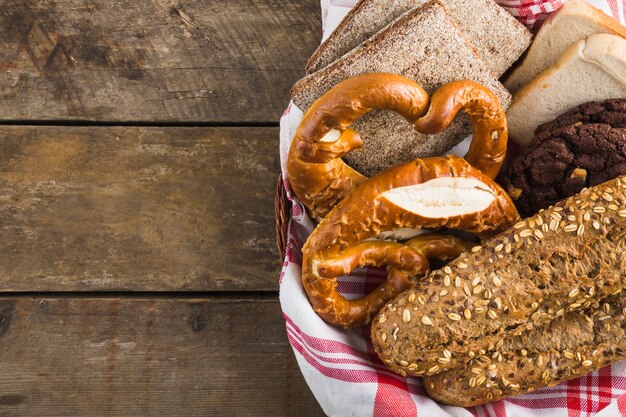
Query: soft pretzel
{"x": 316, "y": 172}
{"x": 318, "y": 175}
{"x": 429, "y": 193}
{"x": 442, "y": 247}
{"x": 488, "y": 147}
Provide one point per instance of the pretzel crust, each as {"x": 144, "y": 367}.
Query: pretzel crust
{"x": 490, "y": 134}
{"x": 441, "y": 247}
{"x": 338, "y": 245}
{"x": 318, "y": 175}
{"x": 316, "y": 172}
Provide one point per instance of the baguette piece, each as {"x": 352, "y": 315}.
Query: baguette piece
{"x": 423, "y": 45}
{"x": 570, "y": 346}
{"x": 575, "y": 21}
{"x": 562, "y": 259}
{"x": 496, "y": 35}
{"x": 590, "y": 70}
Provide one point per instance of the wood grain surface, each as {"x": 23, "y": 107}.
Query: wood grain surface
{"x": 158, "y": 60}
{"x": 114, "y": 205}
{"x": 147, "y": 357}
{"x": 137, "y": 208}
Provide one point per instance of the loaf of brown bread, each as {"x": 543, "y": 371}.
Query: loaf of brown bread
{"x": 569, "y": 346}
{"x": 425, "y": 46}
{"x": 497, "y": 36}
{"x": 563, "y": 259}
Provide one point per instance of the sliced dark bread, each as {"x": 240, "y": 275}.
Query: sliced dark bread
{"x": 496, "y": 35}
{"x": 424, "y": 45}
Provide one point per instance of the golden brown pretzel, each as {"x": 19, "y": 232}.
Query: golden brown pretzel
{"x": 428, "y": 193}
{"x": 442, "y": 247}
{"x": 318, "y": 176}
{"x": 490, "y": 134}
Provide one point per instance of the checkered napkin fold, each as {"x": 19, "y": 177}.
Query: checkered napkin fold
{"x": 341, "y": 367}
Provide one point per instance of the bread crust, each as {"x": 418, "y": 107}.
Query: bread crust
{"x": 600, "y": 50}
{"x": 388, "y": 138}
{"x": 316, "y": 172}
{"x": 574, "y": 7}
{"x": 525, "y": 277}
{"x": 313, "y": 64}
{"x": 499, "y": 46}
{"x": 574, "y": 51}
{"x": 572, "y": 345}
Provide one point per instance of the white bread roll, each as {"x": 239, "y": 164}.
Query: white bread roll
{"x": 590, "y": 70}
{"x": 575, "y": 21}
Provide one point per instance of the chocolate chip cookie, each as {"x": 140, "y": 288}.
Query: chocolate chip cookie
{"x": 583, "y": 147}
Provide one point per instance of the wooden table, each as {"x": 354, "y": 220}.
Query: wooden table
{"x": 138, "y": 161}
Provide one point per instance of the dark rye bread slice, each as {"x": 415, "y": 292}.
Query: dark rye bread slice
{"x": 496, "y": 35}
{"x": 569, "y": 346}
{"x": 423, "y": 45}
{"x": 562, "y": 259}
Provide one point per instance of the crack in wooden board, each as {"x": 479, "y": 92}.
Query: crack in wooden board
{"x": 193, "y": 357}
{"x": 188, "y": 60}
{"x": 139, "y": 209}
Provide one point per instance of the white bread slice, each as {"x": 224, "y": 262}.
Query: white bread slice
{"x": 590, "y": 70}
{"x": 424, "y": 45}
{"x": 496, "y": 35}
{"x": 575, "y": 21}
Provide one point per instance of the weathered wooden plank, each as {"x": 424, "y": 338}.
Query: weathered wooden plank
{"x": 147, "y": 357}
{"x": 128, "y": 208}
{"x": 162, "y": 60}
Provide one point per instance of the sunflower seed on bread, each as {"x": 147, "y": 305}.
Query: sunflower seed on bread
{"x": 563, "y": 259}
{"x": 569, "y": 346}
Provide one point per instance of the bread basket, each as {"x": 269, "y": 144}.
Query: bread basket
{"x": 341, "y": 368}
{"x": 281, "y": 213}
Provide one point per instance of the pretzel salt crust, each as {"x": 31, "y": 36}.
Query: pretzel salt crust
{"x": 318, "y": 175}
{"x": 430, "y": 193}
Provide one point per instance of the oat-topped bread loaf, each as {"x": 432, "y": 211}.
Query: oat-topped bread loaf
{"x": 562, "y": 259}
{"x": 424, "y": 45}
{"x": 571, "y": 345}
{"x": 496, "y": 35}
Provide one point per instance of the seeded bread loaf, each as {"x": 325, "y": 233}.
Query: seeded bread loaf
{"x": 425, "y": 46}
{"x": 496, "y": 35}
{"x": 571, "y": 345}
{"x": 562, "y": 259}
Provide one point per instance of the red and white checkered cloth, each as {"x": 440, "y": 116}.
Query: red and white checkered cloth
{"x": 341, "y": 367}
